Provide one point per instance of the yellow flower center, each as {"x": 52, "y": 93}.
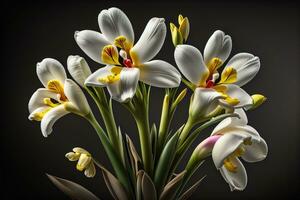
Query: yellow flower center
{"x": 229, "y": 161}
{"x": 56, "y": 87}
{"x": 113, "y": 77}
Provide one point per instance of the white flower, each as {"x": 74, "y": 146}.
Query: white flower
{"x": 58, "y": 97}
{"x": 126, "y": 63}
{"x": 85, "y": 161}
{"x": 78, "y": 68}
{"x": 237, "y": 140}
{"x": 202, "y": 72}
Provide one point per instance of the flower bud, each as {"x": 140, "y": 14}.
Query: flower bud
{"x": 79, "y": 69}
{"x": 257, "y": 100}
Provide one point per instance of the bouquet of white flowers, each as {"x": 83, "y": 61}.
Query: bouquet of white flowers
{"x": 128, "y": 75}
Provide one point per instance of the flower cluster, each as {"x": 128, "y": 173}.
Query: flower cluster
{"x": 129, "y": 70}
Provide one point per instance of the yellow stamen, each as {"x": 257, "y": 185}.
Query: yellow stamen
{"x": 223, "y": 90}
{"x": 123, "y": 43}
{"x": 229, "y": 75}
{"x": 38, "y": 116}
{"x": 248, "y": 141}
{"x": 49, "y": 102}
{"x": 115, "y": 76}
{"x": 110, "y": 55}
{"x": 57, "y": 87}
{"x": 229, "y": 165}
{"x": 214, "y": 64}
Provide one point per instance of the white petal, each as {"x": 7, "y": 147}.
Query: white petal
{"x": 236, "y": 92}
{"x": 150, "y": 41}
{"x": 225, "y": 146}
{"x": 237, "y": 180}
{"x": 159, "y": 73}
{"x": 37, "y": 99}
{"x": 190, "y": 62}
{"x": 92, "y": 43}
{"x": 124, "y": 89}
{"x": 114, "y": 23}
{"x": 246, "y": 65}
{"x": 50, "y": 118}
{"x": 231, "y": 122}
{"x": 78, "y": 68}
{"x": 257, "y": 151}
{"x": 50, "y": 69}
{"x": 204, "y": 101}
{"x": 218, "y": 46}
{"x": 92, "y": 80}
{"x": 76, "y": 96}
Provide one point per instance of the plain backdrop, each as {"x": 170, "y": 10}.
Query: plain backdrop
{"x": 33, "y": 31}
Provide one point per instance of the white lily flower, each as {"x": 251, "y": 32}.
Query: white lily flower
{"x": 237, "y": 140}
{"x": 85, "y": 161}
{"x": 202, "y": 72}
{"x": 58, "y": 97}
{"x": 79, "y": 69}
{"x": 126, "y": 63}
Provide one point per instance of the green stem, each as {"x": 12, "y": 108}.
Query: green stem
{"x": 107, "y": 117}
{"x": 111, "y": 153}
{"x": 142, "y": 123}
{"x": 186, "y": 130}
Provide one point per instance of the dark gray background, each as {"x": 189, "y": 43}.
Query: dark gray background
{"x": 32, "y": 32}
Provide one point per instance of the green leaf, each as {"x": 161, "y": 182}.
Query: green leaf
{"x": 153, "y": 134}
{"x": 169, "y": 191}
{"x": 164, "y": 163}
{"x": 73, "y": 190}
{"x": 188, "y": 193}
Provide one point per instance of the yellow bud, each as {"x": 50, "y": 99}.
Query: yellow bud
{"x": 184, "y": 28}
{"x": 176, "y": 35}
{"x": 180, "y": 96}
{"x": 257, "y": 99}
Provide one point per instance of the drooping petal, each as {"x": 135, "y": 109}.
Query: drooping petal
{"x": 226, "y": 146}
{"x": 92, "y": 43}
{"x": 150, "y": 41}
{"x": 78, "y": 68}
{"x": 237, "y": 94}
{"x": 246, "y": 66}
{"x": 124, "y": 89}
{"x": 159, "y": 73}
{"x": 50, "y": 118}
{"x": 72, "y": 156}
{"x": 76, "y": 96}
{"x": 236, "y": 180}
{"x": 80, "y": 150}
{"x": 190, "y": 62}
{"x": 90, "y": 171}
{"x": 93, "y": 79}
{"x": 218, "y": 46}
{"x": 231, "y": 122}
{"x": 50, "y": 69}
{"x": 37, "y": 99}
{"x": 204, "y": 101}
{"x": 257, "y": 151}
{"x": 114, "y": 23}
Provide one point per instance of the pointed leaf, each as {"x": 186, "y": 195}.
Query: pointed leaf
{"x": 73, "y": 190}
{"x": 164, "y": 162}
{"x": 114, "y": 186}
{"x": 134, "y": 156}
{"x": 121, "y": 145}
{"x": 153, "y": 134}
{"x": 170, "y": 189}
{"x": 188, "y": 193}
{"x": 148, "y": 188}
